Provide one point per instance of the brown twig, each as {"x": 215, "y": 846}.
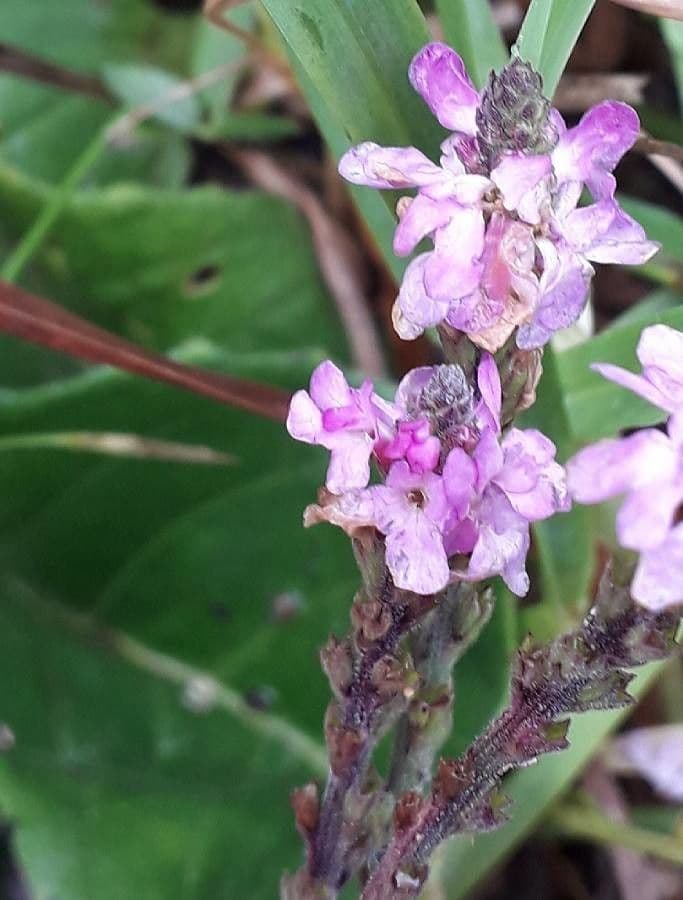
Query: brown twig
{"x": 40, "y": 321}
{"x": 335, "y": 254}
{"x": 26, "y": 65}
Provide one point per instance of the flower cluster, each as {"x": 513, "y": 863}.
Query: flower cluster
{"x": 647, "y": 466}
{"x": 511, "y": 250}
{"x": 455, "y": 496}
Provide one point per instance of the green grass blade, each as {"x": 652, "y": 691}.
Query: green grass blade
{"x": 548, "y": 35}
{"x": 470, "y": 29}
{"x": 566, "y": 24}
{"x": 529, "y": 43}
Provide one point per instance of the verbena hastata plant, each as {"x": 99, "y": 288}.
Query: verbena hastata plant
{"x": 437, "y": 488}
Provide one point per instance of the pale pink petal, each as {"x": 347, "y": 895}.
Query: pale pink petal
{"x": 589, "y": 152}
{"x": 604, "y": 233}
{"x": 675, "y": 429}
{"x": 618, "y": 465}
{"x": 304, "y": 420}
{"x": 388, "y": 167}
{"x": 517, "y": 174}
{"x": 416, "y": 557}
{"x": 660, "y": 350}
{"x": 454, "y": 268}
{"x": 438, "y": 74}
{"x": 658, "y": 582}
{"x": 411, "y": 386}
{"x": 647, "y": 514}
{"x": 350, "y": 511}
{"x": 422, "y": 217}
{"x": 349, "y": 467}
{"x": 414, "y": 309}
{"x": 534, "y": 483}
{"x": 459, "y": 478}
{"x": 329, "y": 387}
{"x": 488, "y": 458}
{"x": 488, "y": 382}
{"x": 563, "y": 294}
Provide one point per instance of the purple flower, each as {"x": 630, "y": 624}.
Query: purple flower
{"x": 410, "y": 509}
{"x": 496, "y": 493}
{"x": 648, "y": 468}
{"x": 511, "y": 249}
{"x": 345, "y": 421}
{"x": 453, "y": 487}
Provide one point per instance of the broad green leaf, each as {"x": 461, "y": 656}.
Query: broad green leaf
{"x": 118, "y": 789}
{"x": 161, "y": 266}
{"x": 189, "y": 560}
{"x": 470, "y": 29}
{"x": 532, "y": 790}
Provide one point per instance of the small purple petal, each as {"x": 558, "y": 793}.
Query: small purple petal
{"x": 563, "y": 295}
{"x": 459, "y": 478}
{"x": 488, "y": 458}
{"x": 615, "y": 466}
{"x": 658, "y": 582}
{"x": 414, "y": 310}
{"x": 604, "y": 233}
{"x": 488, "y": 382}
{"x": 349, "y": 467}
{"x": 416, "y": 557}
{"x": 453, "y": 270}
{"x": 421, "y": 218}
{"x": 590, "y": 151}
{"x": 517, "y": 174}
{"x": 304, "y": 419}
{"x": 534, "y": 483}
{"x": 438, "y": 74}
{"x": 656, "y": 753}
{"x": 388, "y": 167}
{"x": 660, "y": 350}
{"x": 329, "y": 387}
{"x": 647, "y": 514}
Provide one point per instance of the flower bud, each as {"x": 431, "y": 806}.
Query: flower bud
{"x": 513, "y": 115}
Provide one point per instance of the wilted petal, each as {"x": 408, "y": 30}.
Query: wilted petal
{"x": 647, "y": 514}
{"x": 304, "y": 419}
{"x": 604, "y": 233}
{"x": 454, "y": 269}
{"x": 438, "y": 74}
{"x": 422, "y": 217}
{"x": 589, "y": 152}
{"x": 388, "y": 167}
{"x": 658, "y": 582}
{"x": 615, "y": 466}
{"x": 414, "y": 309}
{"x": 350, "y": 511}
{"x": 517, "y": 174}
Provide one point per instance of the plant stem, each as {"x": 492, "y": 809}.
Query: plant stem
{"x": 436, "y": 647}
{"x": 34, "y": 237}
{"x": 587, "y": 824}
